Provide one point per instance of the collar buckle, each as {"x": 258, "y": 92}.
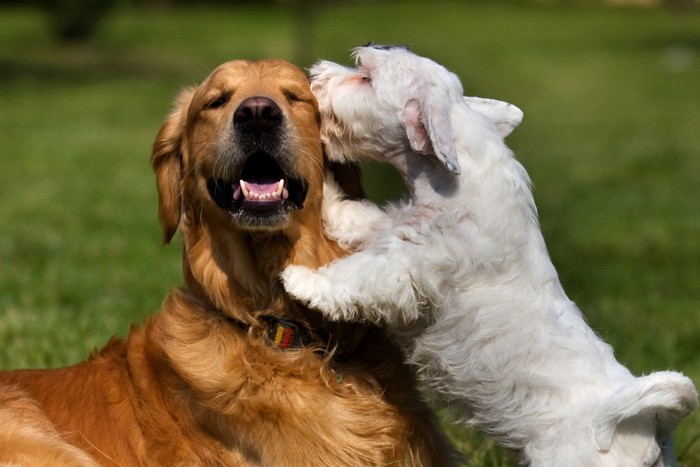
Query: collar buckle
{"x": 285, "y": 334}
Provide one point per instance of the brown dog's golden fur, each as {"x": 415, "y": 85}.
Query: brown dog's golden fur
{"x": 200, "y": 384}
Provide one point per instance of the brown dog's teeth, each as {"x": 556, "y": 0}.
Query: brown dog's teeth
{"x": 280, "y": 188}
{"x": 249, "y": 193}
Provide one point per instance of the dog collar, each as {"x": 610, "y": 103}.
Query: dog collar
{"x": 281, "y": 333}
{"x": 286, "y": 334}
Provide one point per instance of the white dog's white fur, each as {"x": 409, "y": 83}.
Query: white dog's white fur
{"x": 461, "y": 275}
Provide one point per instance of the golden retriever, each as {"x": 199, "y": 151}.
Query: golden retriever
{"x": 230, "y": 371}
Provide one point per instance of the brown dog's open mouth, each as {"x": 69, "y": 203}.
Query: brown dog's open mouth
{"x": 261, "y": 195}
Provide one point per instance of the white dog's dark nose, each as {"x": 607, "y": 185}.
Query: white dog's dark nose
{"x": 257, "y": 115}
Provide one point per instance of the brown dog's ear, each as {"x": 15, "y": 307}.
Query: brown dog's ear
{"x": 166, "y": 160}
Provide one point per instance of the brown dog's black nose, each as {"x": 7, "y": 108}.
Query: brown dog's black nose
{"x": 257, "y": 114}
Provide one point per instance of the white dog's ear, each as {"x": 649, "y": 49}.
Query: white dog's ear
{"x": 665, "y": 396}
{"x": 429, "y": 131}
{"x": 506, "y": 116}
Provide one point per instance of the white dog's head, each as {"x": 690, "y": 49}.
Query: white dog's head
{"x": 393, "y": 101}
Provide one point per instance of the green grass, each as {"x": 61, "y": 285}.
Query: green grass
{"x": 610, "y": 139}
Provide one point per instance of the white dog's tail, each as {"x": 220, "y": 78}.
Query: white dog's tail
{"x": 665, "y": 397}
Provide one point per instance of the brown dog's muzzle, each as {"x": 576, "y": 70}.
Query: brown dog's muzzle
{"x": 265, "y": 186}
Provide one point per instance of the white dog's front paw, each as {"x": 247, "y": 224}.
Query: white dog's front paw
{"x": 295, "y": 280}
{"x": 314, "y": 290}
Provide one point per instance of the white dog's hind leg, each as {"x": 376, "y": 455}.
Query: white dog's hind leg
{"x": 666, "y": 396}
{"x": 350, "y": 223}
{"x": 360, "y": 286}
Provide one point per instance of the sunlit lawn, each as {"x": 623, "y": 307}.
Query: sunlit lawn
{"x": 610, "y": 139}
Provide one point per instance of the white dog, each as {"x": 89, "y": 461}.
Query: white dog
{"x": 461, "y": 275}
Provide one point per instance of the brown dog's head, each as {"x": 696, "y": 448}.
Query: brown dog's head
{"x": 246, "y": 140}
{"x": 239, "y": 168}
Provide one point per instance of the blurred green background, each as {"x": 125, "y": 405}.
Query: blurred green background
{"x": 611, "y": 97}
